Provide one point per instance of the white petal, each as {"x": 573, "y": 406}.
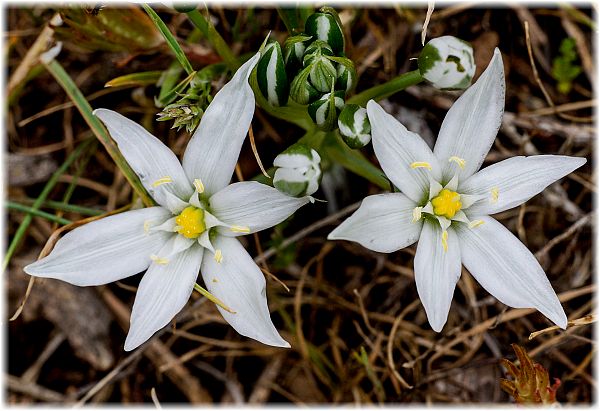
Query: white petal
{"x": 396, "y": 149}
{"x": 240, "y": 285}
{"x": 105, "y": 250}
{"x": 173, "y": 203}
{"x": 507, "y": 269}
{"x": 383, "y": 223}
{"x": 472, "y": 123}
{"x": 517, "y": 179}
{"x": 148, "y": 157}
{"x": 252, "y": 205}
{"x": 162, "y": 293}
{"x": 436, "y": 273}
{"x": 215, "y": 146}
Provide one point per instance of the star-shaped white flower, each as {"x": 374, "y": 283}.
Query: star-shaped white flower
{"x": 193, "y": 228}
{"x": 445, "y": 203}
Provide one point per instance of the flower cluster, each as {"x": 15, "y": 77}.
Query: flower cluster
{"x": 311, "y": 69}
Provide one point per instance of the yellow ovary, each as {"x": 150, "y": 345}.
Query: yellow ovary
{"x": 447, "y": 203}
{"x": 191, "y": 222}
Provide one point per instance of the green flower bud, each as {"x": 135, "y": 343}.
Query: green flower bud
{"x": 447, "y": 62}
{"x": 297, "y": 171}
{"x": 293, "y": 50}
{"x": 324, "y": 26}
{"x": 301, "y": 91}
{"x": 324, "y": 112}
{"x": 354, "y": 126}
{"x": 346, "y": 74}
{"x": 271, "y": 75}
{"x": 316, "y": 50}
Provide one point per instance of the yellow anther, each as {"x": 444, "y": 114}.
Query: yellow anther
{"x": 190, "y": 223}
{"x": 147, "y": 226}
{"x": 446, "y": 204}
{"x": 445, "y": 240}
{"x": 214, "y": 280}
{"x": 199, "y": 186}
{"x": 218, "y": 256}
{"x": 162, "y": 181}
{"x": 239, "y": 229}
{"x": 159, "y": 260}
{"x": 495, "y": 193}
{"x": 420, "y": 164}
{"x": 460, "y": 161}
{"x": 416, "y": 214}
{"x": 475, "y": 223}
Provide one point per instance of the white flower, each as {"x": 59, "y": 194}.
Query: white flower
{"x": 193, "y": 228}
{"x": 445, "y": 204}
{"x": 297, "y": 171}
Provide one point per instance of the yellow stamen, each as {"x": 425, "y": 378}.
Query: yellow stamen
{"x": 416, "y": 214}
{"x": 158, "y": 260}
{"x": 239, "y": 229}
{"x": 214, "y": 280}
{"x": 445, "y": 240}
{"x": 218, "y": 256}
{"x": 147, "y": 226}
{"x": 199, "y": 186}
{"x": 495, "y": 193}
{"x": 162, "y": 181}
{"x": 190, "y": 223}
{"x": 446, "y": 204}
{"x": 420, "y": 164}
{"x": 475, "y": 223}
{"x": 461, "y": 162}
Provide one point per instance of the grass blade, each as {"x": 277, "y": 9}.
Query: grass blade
{"x": 170, "y": 39}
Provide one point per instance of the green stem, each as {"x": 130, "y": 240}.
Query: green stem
{"x": 59, "y": 73}
{"x": 38, "y": 213}
{"x": 38, "y": 202}
{"x": 62, "y": 206}
{"x": 387, "y": 89}
{"x": 169, "y": 38}
{"x": 214, "y": 38}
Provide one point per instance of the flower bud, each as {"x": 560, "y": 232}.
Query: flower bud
{"x": 293, "y": 50}
{"x": 322, "y": 71}
{"x": 325, "y": 27}
{"x": 324, "y": 112}
{"x": 346, "y": 75}
{"x": 447, "y": 62}
{"x": 297, "y": 171}
{"x": 354, "y": 126}
{"x": 271, "y": 75}
{"x": 301, "y": 91}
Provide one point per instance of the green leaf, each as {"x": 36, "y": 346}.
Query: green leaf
{"x": 170, "y": 39}
{"x": 144, "y": 78}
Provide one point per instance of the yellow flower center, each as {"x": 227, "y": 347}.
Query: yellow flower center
{"x": 447, "y": 203}
{"x": 191, "y": 222}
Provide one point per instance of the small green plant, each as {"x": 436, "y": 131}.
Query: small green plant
{"x": 564, "y": 69}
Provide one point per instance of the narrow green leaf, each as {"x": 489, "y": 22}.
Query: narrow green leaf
{"x": 144, "y": 78}
{"x": 170, "y": 39}
{"x": 11, "y": 205}
{"x": 97, "y": 127}
{"x": 22, "y": 229}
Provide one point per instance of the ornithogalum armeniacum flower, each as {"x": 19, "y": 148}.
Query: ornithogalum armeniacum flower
{"x": 445, "y": 203}
{"x": 193, "y": 228}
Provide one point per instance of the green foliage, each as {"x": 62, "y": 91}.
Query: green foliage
{"x": 564, "y": 69}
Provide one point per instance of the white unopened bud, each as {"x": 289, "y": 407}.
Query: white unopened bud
{"x": 447, "y": 62}
{"x": 297, "y": 171}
